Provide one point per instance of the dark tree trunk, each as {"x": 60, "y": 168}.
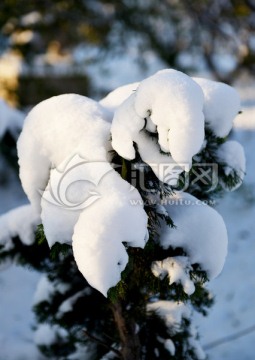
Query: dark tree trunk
{"x": 127, "y": 330}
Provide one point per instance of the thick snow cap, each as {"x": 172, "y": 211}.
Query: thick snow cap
{"x": 222, "y": 104}
{"x": 200, "y": 231}
{"x": 172, "y": 104}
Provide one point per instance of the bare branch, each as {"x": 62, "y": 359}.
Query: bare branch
{"x": 92, "y": 337}
{"x": 229, "y": 338}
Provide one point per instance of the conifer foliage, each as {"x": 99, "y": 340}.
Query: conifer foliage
{"x": 120, "y": 193}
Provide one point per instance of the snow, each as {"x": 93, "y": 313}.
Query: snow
{"x": 67, "y": 305}
{"x": 221, "y": 106}
{"x": 147, "y": 146}
{"x": 125, "y": 127}
{"x": 116, "y": 97}
{"x": 232, "y": 311}
{"x": 151, "y": 101}
{"x": 10, "y": 119}
{"x": 16, "y": 318}
{"x": 200, "y": 231}
{"x": 163, "y": 166}
{"x": 232, "y": 154}
{"x": 47, "y": 335}
{"x": 177, "y": 269}
{"x": 56, "y": 129}
{"x": 195, "y": 344}
{"x": 234, "y": 289}
{"x": 169, "y": 345}
{"x": 81, "y": 352}
{"x": 92, "y": 224}
{"x": 102, "y": 229}
{"x": 171, "y": 312}
{"x": 20, "y": 222}
{"x": 58, "y": 223}
{"x": 104, "y": 73}
{"x": 65, "y": 151}
{"x": 59, "y": 214}
{"x": 44, "y": 290}
{"x": 178, "y": 120}
{"x": 17, "y": 288}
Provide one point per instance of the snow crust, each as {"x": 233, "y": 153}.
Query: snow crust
{"x": 200, "y": 231}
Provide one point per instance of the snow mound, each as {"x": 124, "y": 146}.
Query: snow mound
{"x": 163, "y": 166}
{"x": 54, "y": 130}
{"x": 20, "y": 222}
{"x": 65, "y": 168}
{"x": 104, "y": 228}
{"x": 222, "y": 104}
{"x": 98, "y": 228}
{"x": 68, "y": 158}
{"x": 200, "y": 231}
{"x": 168, "y": 102}
{"x": 117, "y": 96}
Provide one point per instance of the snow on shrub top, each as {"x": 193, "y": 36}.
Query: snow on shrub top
{"x": 98, "y": 228}
{"x": 200, "y": 231}
{"x": 172, "y": 103}
{"x": 117, "y": 96}
{"x": 65, "y": 168}
{"x": 54, "y": 130}
{"x": 222, "y": 104}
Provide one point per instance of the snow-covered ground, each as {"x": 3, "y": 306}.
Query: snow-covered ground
{"x": 17, "y": 286}
{"x": 234, "y": 289}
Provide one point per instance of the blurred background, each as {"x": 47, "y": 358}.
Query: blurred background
{"x": 90, "y": 47}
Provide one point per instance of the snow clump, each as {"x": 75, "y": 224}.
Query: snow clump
{"x": 65, "y": 154}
